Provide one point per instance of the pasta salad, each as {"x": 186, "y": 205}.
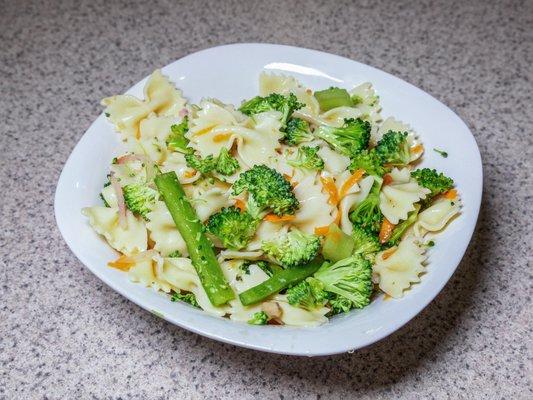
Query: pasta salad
{"x": 287, "y": 209}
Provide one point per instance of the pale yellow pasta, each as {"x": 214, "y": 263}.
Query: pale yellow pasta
{"x": 396, "y": 272}
{"x": 437, "y": 216}
{"x": 176, "y": 162}
{"x": 315, "y": 211}
{"x": 163, "y": 231}
{"x": 266, "y": 231}
{"x": 130, "y": 239}
{"x": 334, "y": 163}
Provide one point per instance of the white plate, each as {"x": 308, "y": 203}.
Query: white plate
{"x": 230, "y": 73}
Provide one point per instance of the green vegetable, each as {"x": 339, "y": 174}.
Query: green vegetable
{"x": 393, "y": 148}
{"x": 369, "y": 161}
{"x": 273, "y": 102}
{"x": 350, "y": 278}
{"x": 139, "y": 199}
{"x": 307, "y": 158}
{"x": 365, "y": 243}
{"x": 367, "y": 214}
{"x": 191, "y": 229}
{"x": 339, "y": 304}
{"x": 268, "y": 268}
{"x": 349, "y": 139}
{"x": 337, "y": 244}
{"x": 106, "y": 204}
{"x": 267, "y": 190}
{"x": 175, "y": 254}
{"x": 297, "y": 131}
{"x": 188, "y": 297}
{"x": 177, "y": 141}
{"x": 259, "y": 318}
{"x": 400, "y": 229}
{"x": 234, "y": 228}
{"x": 292, "y": 249}
{"x": 308, "y": 294}
{"x": 224, "y": 164}
{"x": 441, "y": 152}
{"x": 437, "y": 182}
{"x": 279, "y": 281}
{"x": 332, "y": 98}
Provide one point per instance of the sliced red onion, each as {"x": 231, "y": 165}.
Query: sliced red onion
{"x": 183, "y": 112}
{"x": 120, "y": 201}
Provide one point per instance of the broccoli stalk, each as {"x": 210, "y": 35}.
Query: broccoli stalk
{"x": 350, "y": 278}
{"x": 267, "y": 190}
{"x": 273, "y": 102}
{"x": 297, "y": 131}
{"x": 279, "y": 281}
{"x": 140, "y": 199}
{"x": 292, "y": 249}
{"x": 367, "y": 214}
{"x": 307, "y": 158}
{"x": 259, "y": 318}
{"x": 224, "y": 164}
{"x": 234, "y": 228}
{"x": 369, "y": 161}
{"x": 200, "y": 248}
{"x": 437, "y": 182}
{"x": 349, "y": 139}
{"x": 400, "y": 229}
{"x": 308, "y": 294}
{"x": 332, "y": 98}
{"x": 393, "y": 148}
{"x": 177, "y": 141}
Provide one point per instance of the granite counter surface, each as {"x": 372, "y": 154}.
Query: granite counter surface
{"x": 64, "y": 334}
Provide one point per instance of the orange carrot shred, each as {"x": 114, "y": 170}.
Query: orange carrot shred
{"x": 123, "y": 263}
{"x": 276, "y": 218}
{"x": 329, "y": 186}
{"x": 385, "y": 231}
{"x": 387, "y": 179}
{"x": 389, "y": 252}
{"x": 240, "y": 204}
{"x": 321, "y": 230}
{"x": 221, "y": 137}
{"x": 189, "y": 173}
{"x": 419, "y": 148}
{"x": 451, "y": 194}
{"x": 352, "y": 180}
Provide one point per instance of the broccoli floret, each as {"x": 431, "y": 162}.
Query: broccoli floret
{"x": 365, "y": 243}
{"x": 339, "y": 304}
{"x": 267, "y": 190}
{"x": 273, "y": 102}
{"x": 393, "y": 148}
{"x": 307, "y": 158}
{"x": 350, "y": 278}
{"x": 224, "y": 164}
{"x": 307, "y": 294}
{"x": 266, "y": 267}
{"x": 140, "y": 199}
{"x": 349, "y": 139}
{"x": 234, "y": 228}
{"x": 175, "y": 254}
{"x": 292, "y": 249}
{"x": 369, "y": 161}
{"x": 177, "y": 141}
{"x": 367, "y": 214}
{"x": 400, "y": 229}
{"x": 259, "y": 318}
{"x": 297, "y": 131}
{"x": 188, "y": 297}
{"x": 431, "y": 179}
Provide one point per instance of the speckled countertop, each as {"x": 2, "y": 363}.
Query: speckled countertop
{"x": 64, "y": 334}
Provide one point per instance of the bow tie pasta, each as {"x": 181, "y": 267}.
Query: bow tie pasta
{"x": 287, "y": 209}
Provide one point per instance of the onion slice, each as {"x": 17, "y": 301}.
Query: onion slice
{"x": 120, "y": 201}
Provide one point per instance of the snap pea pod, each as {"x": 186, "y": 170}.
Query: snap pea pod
{"x": 200, "y": 248}
{"x": 279, "y": 281}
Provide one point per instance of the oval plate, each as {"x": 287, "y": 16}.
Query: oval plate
{"x": 230, "y": 73}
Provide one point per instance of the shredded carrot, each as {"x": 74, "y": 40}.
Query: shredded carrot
{"x": 123, "y": 263}
{"x": 240, "y": 204}
{"x": 275, "y": 218}
{"x": 337, "y": 220}
{"x": 204, "y": 131}
{"x": 387, "y": 297}
{"x": 451, "y": 194}
{"x": 385, "y": 231}
{"x": 287, "y": 176}
{"x": 321, "y": 230}
{"x": 387, "y": 179}
{"x": 419, "y": 148}
{"x": 352, "y": 180}
{"x": 329, "y": 186}
{"x": 389, "y": 252}
{"x": 221, "y": 137}
{"x": 189, "y": 173}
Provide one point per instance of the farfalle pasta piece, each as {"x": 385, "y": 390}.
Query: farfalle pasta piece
{"x": 367, "y": 102}
{"x": 397, "y": 199}
{"x": 160, "y": 97}
{"x": 437, "y": 216}
{"x": 266, "y": 231}
{"x": 334, "y": 163}
{"x": 130, "y": 239}
{"x": 176, "y": 162}
{"x": 315, "y": 210}
{"x": 399, "y": 267}
{"x": 163, "y": 231}
{"x": 392, "y": 124}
